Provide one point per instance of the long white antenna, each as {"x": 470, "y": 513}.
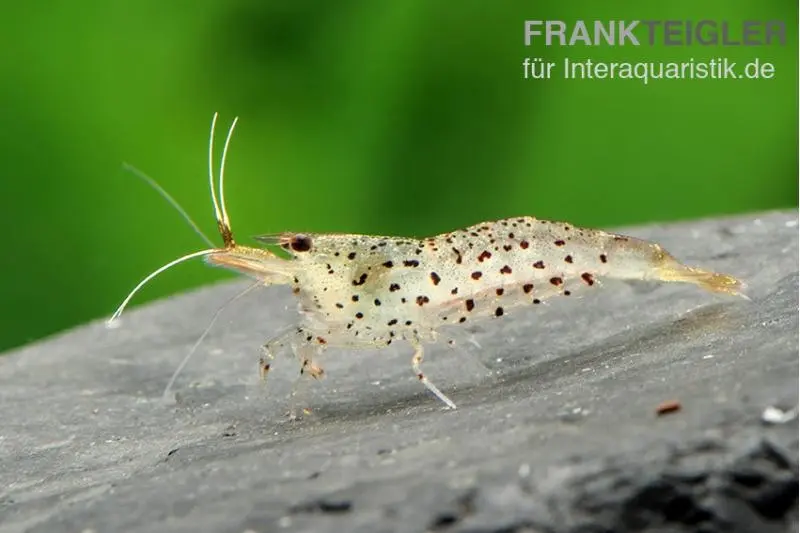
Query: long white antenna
{"x": 225, "y": 221}
{"x": 197, "y": 343}
{"x": 153, "y": 274}
{"x": 217, "y": 212}
{"x": 164, "y": 194}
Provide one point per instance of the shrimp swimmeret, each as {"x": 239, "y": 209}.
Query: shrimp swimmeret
{"x": 370, "y": 291}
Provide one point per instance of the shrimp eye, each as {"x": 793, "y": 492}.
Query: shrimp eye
{"x": 300, "y": 243}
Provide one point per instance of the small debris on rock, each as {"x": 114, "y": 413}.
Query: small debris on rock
{"x": 665, "y": 408}
{"x": 324, "y": 506}
{"x": 170, "y": 454}
{"x": 573, "y": 414}
{"x": 776, "y": 415}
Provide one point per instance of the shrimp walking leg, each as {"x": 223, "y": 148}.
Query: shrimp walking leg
{"x": 306, "y": 354}
{"x": 416, "y": 361}
{"x": 306, "y": 351}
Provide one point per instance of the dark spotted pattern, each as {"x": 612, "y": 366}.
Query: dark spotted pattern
{"x": 444, "y": 279}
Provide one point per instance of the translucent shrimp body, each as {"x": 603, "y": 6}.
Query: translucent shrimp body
{"x": 381, "y": 288}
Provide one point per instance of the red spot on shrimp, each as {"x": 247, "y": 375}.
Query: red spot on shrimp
{"x": 470, "y": 304}
{"x": 422, "y": 300}
{"x": 556, "y": 281}
{"x": 435, "y": 278}
{"x": 499, "y": 291}
{"x": 603, "y": 258}
{"x": 524, "y": 245}
{"x": 527, "y": 288}
{"x": 498, "y": 312}
{"x": 505, "y": 270}
{"x": 560, "y": 243}
{"x": 588, "y": 278}
{"x": 484, "y": 256}
{"x": 568, "y": 259}
{"x": 538, "y": 264}
{"x": 477, "y": 275}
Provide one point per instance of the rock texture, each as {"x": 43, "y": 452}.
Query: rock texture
{"x": 557, "y": 428}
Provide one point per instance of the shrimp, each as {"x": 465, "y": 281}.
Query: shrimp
{"x": 363, "y": 291}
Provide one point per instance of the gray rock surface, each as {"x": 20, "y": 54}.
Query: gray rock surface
{"x": 556, "y": 429}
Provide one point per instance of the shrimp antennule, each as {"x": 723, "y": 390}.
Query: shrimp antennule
{"x": 220, "y": 212}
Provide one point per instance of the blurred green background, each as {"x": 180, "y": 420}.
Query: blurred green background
{"x": 393, "y": 117}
